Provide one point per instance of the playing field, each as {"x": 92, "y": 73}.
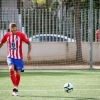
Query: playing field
{"x": 48, "y": 85}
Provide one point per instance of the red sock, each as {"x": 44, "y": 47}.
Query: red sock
{"x": 13, "y": 78}
{"x": 17, "y": 79}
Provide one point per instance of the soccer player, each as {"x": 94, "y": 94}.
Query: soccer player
{"x": 97, "y": 35}
{"x": 14, "y": 40}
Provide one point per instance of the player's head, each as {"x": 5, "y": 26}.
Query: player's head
{"x": 13, "y": 28}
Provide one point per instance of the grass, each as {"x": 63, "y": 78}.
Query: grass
{"x": 48, "y": 85}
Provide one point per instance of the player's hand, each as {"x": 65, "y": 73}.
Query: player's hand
{"x": 28, "y": 56}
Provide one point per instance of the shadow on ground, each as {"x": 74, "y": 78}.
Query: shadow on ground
{"x": 59, "y": 97}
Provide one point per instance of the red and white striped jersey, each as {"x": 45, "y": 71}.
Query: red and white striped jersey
{"x": 14, "y": 44}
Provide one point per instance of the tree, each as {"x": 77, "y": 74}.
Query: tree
{"x": 41, "y": 1}
{"x": 76, "y": 4}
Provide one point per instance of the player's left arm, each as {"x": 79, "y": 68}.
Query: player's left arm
{"x": 29, "y": 50}
{"x": 26, "y": 40}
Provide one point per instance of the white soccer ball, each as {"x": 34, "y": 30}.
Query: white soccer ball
{"x": 68, "y": 87}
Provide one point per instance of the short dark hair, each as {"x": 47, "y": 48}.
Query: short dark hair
{"x": 8, "y": 30}
{"x": 12, "y": 25}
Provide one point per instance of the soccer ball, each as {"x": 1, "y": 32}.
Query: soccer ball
{"x": 68, "y": 87}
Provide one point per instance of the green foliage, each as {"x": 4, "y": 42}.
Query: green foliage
{"x": 53, "y": 7}
{"x": 34, "y": 1}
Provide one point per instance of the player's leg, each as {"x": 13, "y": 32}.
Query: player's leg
{"x": 11, "y": 70}
{"x": 15, "y": 90}
{"x": 13, "y": 78}
{"x": 17, "y": 77}
{"x": 12, "y": 75}
{"x": 18, "y": 68}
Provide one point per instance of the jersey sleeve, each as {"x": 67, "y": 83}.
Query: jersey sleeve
{"x": 4, "y": 39}
{"x": 25, "y": 39}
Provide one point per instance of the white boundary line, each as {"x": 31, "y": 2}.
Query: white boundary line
{"x": 51, "y": 90}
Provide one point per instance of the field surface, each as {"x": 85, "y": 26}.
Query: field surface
{"x": 48, "y": 85}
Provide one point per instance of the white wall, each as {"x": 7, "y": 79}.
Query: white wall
{"x": 56, "y": 51}
{"x": 2, "y": 32}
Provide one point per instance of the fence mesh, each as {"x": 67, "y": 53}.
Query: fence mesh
{"x": 60, "y": 30}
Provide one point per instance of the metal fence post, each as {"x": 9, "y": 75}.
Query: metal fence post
{"x": 91, "y": 31}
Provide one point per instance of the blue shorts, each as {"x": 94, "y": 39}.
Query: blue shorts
{"x": 18, "y": 63}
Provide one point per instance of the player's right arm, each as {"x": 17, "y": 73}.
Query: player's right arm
{"x": 3, "y": 40}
